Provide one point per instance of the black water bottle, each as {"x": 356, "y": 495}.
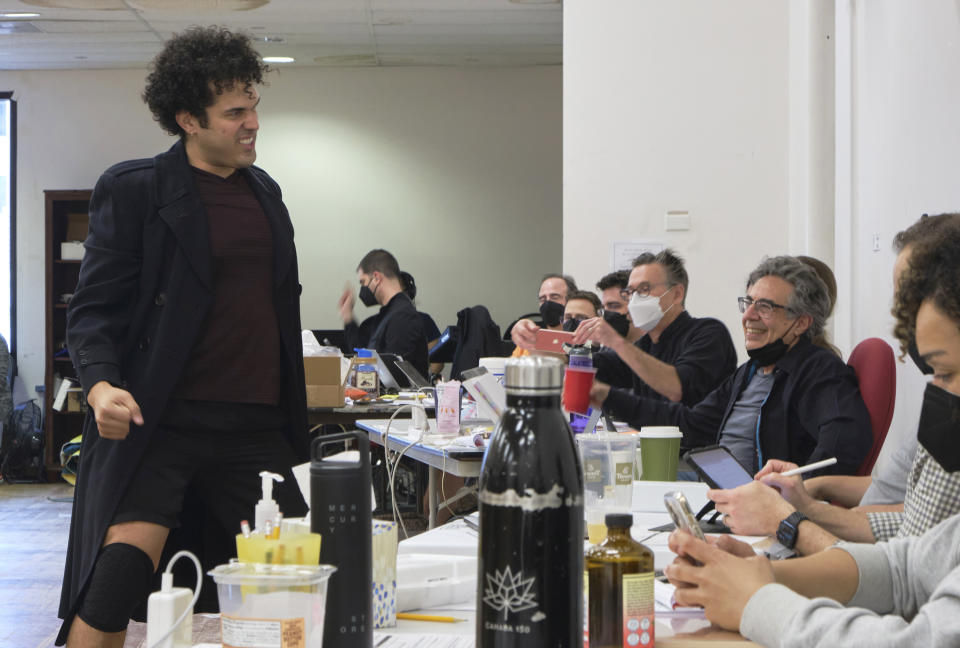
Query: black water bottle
{"x": 340, "y": 513}
{"x": 530, "y": 563}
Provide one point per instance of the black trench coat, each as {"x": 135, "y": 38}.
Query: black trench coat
{"x": 145, "y": 287}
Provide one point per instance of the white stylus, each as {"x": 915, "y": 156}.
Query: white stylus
{"x": 809, "y": 467}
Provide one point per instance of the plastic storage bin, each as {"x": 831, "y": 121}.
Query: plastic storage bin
{"x": 272, "y": 604}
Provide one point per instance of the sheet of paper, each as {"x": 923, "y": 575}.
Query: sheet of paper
{"x": 388, "y": 640}
{"x": 663, "y": 602}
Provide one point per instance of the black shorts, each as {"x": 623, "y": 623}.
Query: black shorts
{"x": 219, "y": 467}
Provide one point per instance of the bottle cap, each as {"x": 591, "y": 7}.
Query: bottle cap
{"x": 619, "y": 520}
{"x": 533, "y": 375}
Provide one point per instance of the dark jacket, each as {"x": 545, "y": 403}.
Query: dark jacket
{"x": 396, "y": 328}
{"x": 479, "y": 338}
{"x": 814, "y": 411}
{"x": 698, "y": 348}
{"x": 144, "y": 290}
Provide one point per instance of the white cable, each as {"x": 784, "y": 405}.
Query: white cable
{"x": 196, "y": 594}
{"x": 391, "y": 475}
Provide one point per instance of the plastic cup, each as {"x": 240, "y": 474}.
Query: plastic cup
{"x": 576, "y": 388}
{"x": 607, "y": 460}
{"x": 659, "y": 453}
{"x": 270, "y": 601}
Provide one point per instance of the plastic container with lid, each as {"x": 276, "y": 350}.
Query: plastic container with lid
{"x": 270, "y": 604}
{"x": 364, "y": 374}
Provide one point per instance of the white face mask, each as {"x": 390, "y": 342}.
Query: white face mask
{"x": 645, "y": 311}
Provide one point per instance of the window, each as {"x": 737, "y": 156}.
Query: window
{"x": 8, "y": 207}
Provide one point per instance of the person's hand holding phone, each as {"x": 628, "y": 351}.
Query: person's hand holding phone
{"x": 524, "y": 334}
{"x": 722, "y": 583}
{"x": 596, "y": 329}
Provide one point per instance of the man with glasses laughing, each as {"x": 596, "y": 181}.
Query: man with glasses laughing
{"x": 792, "y": 400}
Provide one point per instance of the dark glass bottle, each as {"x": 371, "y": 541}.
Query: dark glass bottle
{"x": 618, "y": 588}
{"x": 530, "y": 562}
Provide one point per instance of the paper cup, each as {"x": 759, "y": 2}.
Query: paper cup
{"x": 659, "y": 453}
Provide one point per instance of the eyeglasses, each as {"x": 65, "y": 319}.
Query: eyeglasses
{"x": 764, "y": 307}
{"x": 643, "y": 290}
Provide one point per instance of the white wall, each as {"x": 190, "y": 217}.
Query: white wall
{"x": 904, "y": 143}
{"x": 456, "y": 171}
{"x": 679, "y": 105}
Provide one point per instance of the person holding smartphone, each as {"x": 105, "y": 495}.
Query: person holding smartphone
{"x": 904, "y": 592}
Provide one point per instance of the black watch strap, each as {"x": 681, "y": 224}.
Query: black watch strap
{"x": 789, "y": 529}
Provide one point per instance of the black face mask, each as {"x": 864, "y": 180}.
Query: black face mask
{"x": 914, "y": 353}
{"x": 571, "y": 325}
{"x": 367, "y": 296}
{"x": 770, "y": 352}
{"x": 551, "y": 312}
{"x": 939, "y": 431}
{"x": 617, "y": 321}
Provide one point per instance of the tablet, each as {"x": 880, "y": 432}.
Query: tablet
{"x": 718, "y": 467}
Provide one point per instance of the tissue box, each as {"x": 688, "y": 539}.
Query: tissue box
{"x": 384, "y": 574}
{"x": 324, "y": 388}
{"x": 71, "y": 250}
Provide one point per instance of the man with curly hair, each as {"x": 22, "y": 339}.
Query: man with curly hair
{"x": 185, "y": 332}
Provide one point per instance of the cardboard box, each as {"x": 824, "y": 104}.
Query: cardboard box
{"x": 71, "y": 250}
{"x": 77, "y": 227}
{"x": 323, "y": 377}
{"x": 75, "y": 400}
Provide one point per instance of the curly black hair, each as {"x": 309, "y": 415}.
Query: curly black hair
{"x": 618, "y": 279}
{"x": 927, "y": 225}
{"x": 932, "y": 273}
{"x": 194, "y": 66}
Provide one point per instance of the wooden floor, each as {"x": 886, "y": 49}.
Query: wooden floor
{"x": 33, "y": 543}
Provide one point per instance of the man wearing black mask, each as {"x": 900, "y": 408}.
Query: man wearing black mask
{"x": 792, "y": 400}
{"x": 554, "y": 289}
{"x": 581, "y": 306}
{"x": 612, "y": 289}
{"x": 672, "y": 356}
{"x": 397, "y": 328}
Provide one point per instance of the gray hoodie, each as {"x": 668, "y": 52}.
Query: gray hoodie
{"x": 908, "y": 595}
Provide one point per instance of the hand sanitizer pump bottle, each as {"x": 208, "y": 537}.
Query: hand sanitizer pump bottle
{"x": 266, "y": 509}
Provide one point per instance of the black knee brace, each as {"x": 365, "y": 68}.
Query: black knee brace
{"x": 121, "y": 580}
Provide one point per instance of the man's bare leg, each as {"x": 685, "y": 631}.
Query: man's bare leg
{"x": 149, "y": 538}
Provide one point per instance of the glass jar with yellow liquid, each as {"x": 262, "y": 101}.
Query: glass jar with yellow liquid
{"x": 618, "y": 589}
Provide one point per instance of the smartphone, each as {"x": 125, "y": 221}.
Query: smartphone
{"x": 718, "y": 467}
{"x": 680, "y": 513}
{"x": 548, "y": 340}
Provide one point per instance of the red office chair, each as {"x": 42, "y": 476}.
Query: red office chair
{"x": 873, "y": 362}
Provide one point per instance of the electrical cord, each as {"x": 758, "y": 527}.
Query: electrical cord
{"x": 391, "y": 474}
{"x": 196, "y": 594}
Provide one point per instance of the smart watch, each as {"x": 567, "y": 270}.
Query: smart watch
{"x": 787, "y": 531}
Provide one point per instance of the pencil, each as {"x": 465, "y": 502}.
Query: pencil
{"x": 427, "y": 617}
{"x": 809, "y": 467}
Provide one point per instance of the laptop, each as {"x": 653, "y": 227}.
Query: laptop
{"x": 415, "y": 378}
